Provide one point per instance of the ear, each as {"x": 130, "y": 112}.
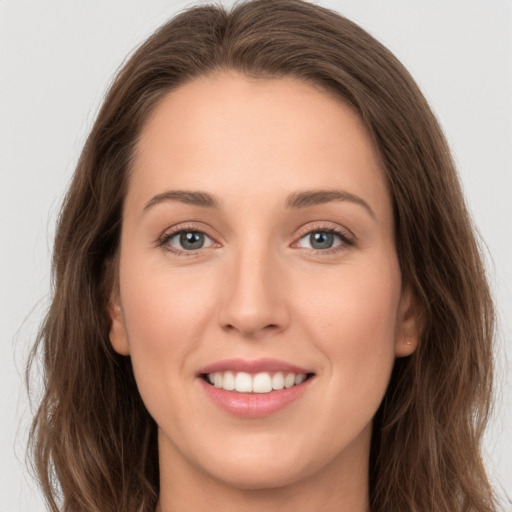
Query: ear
{"x": 409, "y": 323}
{"x": 117, "y": 334}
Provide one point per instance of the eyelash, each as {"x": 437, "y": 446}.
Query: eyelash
{"x": 169, "y": 235}
{"x": 347, "y": 239}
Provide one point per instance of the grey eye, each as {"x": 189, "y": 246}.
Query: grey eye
{"x": 189, "y": 240}
{"x": 321, "y": 240}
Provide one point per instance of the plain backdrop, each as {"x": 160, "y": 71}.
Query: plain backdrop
{"x": 57, "y": 58}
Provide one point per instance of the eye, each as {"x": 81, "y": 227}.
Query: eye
{"x": 185, "y": 240}
{"x": 323, "y": 239}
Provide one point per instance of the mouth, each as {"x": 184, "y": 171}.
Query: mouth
{"x": 261, "y": 382}
{"x": 254, "y": 388}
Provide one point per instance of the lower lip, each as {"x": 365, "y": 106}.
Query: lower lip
{"x": 254, "y": 405}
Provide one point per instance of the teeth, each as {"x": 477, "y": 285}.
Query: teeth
{"x": 299, "y": 378}
{"x": 278, "y": 380}
{"x": 243, "y": 382}
{"x": 263, "y": 382}
{"x": 289, "y": 380}
{"x": 228, "y": 381}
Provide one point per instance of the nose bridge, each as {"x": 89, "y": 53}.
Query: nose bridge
{"x": 253, "y": 299}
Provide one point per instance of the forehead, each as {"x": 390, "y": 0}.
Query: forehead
{"x": 232, "y": 135}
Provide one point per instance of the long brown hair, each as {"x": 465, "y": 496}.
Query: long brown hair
{"x": 93, "y": 444}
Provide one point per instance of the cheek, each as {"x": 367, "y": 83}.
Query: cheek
{"x": 352, "y": 316}
{"x": 162, "y": 304}
{"x": 165, "y": 313}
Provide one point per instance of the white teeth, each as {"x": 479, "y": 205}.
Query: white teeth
{"x": 278, "y": 380}
{"x": 243, "y": 382}
{"x": 299, "y": 378}
{"x": 289, "y": 380}
{"x": 262, "y": 382}
{"x": 228, "y": 381}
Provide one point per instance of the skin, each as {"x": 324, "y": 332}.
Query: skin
{"x": 257, "y": 288}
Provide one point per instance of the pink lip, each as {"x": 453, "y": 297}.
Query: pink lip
{"x": 253, "y": 405}
{"x": 252, "y": 366}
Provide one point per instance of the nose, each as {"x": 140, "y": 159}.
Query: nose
{"x": 254, "y": 300}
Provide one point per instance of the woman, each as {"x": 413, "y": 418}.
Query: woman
{"x": 267, "y": 289}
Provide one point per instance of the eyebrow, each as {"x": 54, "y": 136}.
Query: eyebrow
{"x": 316, "y": 197}
{"x": 295, "y": 200}
{"x": 184, "y": 196}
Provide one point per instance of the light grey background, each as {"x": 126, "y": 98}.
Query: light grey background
{"x": 56, "y": 60}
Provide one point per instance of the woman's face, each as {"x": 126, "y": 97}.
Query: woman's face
{"x": 257, "y": 250}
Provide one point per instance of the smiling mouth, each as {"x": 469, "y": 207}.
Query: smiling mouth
{"x": 262, "y": 382}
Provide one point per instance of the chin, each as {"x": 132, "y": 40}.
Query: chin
{"x": 266, "y": 475}
{"x": 267, "y": 465}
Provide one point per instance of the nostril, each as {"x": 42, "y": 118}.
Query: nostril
{"x": 252, "y": 330}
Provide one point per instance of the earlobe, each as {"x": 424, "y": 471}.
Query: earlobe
{"x": 405, "y": 346}
{"x": 409, "y": 328}
{"x": 117, "y": 333}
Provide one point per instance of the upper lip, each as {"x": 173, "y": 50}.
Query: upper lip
{"x": 252, "y": 366}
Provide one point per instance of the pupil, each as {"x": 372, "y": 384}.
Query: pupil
{"x": 321, "y": 240}
{"x": 191, "y": 240}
